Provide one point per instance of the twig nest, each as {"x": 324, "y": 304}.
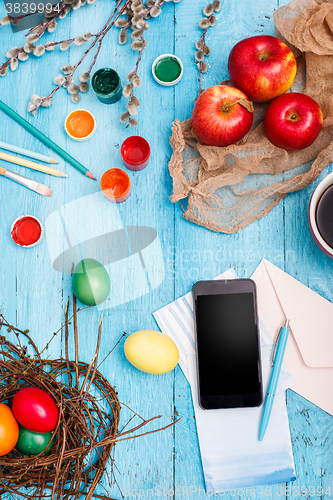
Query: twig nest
{"x": 74, "y": 438}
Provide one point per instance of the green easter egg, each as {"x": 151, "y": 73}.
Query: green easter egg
{"x": 90, "y": 282}
{"x": 33, "y": 443}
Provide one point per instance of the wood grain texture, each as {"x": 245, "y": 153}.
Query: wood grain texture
{"x": 33, "y": 295}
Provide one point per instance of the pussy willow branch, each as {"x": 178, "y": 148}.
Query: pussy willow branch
{"x": 200, "y": 63}
{"x": 137, "y": 65}
{"x": 41, "y": 23}
{"x": 6, "y": 63}
{"x": 144, "y": 16}
{"x": 54, "y": 18}
{"x": 203, "y": 38}
{"x": 106, "y": 31}
{"x": 102, "y": 33}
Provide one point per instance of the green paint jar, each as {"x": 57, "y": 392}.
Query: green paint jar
{"x": 107, "y": 85}
{"x": 167, "y": 70}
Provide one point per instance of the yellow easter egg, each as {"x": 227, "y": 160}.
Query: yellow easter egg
{"x": 151, "y": 352}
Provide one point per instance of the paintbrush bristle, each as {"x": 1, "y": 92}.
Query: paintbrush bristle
{"x": 43, "y": 190}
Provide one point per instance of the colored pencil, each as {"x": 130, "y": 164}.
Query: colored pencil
{"x": 26, "y": 152}
{"x": 31, "y": 164}
{"x": 29, "y": 183}
{"x": 45, "y": 139}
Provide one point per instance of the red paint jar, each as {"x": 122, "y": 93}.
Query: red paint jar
{"x": 27, "y": 231}
{"x": 116, "y": 185}
{"x": 135, "y": 152}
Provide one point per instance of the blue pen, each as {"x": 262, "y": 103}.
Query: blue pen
{"x": 281, "y": 347}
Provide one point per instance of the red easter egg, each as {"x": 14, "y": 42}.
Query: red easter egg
{"x": 35, "y": 410}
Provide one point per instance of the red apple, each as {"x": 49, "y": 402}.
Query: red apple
{"x": 218, "y": 118}
{"x": 262, "y": 66}
{"x": 293, "y": 121}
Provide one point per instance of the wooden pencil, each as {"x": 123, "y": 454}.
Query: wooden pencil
{"x": 26, "y": 152}
{"x": 31, "y": 164}
{"x": 33, "y": 130}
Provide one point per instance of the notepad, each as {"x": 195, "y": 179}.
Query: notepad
{"x": 231, "y": 454}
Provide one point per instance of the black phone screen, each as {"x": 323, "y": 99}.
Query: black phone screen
{"x": 228, "y": 350}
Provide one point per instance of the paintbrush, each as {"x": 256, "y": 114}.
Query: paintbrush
{"x": 29, "y": 183}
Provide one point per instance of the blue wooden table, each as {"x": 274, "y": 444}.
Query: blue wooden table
{"x": 33, "y": 294}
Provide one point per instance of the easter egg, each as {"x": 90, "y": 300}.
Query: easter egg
{"x": 35, "y": 410}
{"x": 33, "y": 443}
{"x": 9, "y": 430}
{"x": 90, "y": 282}
{"x": 151, "y": 352}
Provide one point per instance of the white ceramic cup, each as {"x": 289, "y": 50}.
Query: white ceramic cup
{"x": 321, "y": 243}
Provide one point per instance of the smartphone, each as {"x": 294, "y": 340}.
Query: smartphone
{"x": 227, "y": 344}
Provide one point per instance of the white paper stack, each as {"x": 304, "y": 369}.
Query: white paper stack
{"x": 232, "y": 456}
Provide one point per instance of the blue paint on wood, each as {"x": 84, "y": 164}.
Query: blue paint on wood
{"x": 33, "y": 295}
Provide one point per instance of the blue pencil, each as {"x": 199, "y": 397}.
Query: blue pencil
{"x": 26, "y": 152}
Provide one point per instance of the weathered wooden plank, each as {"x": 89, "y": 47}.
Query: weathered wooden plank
{"x": 33, "y": 294}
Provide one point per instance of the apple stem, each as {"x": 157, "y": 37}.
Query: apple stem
{"x": 248, "y": 105}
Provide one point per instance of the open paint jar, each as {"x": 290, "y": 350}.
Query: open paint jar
{"x": 135, "y": 152}
{"x": 27, "y": 231}
{"x": 107, "y": 85}
{"x": 80, "y": 125}
{"x": 167, "y": 70}
{"x": 116, "y": 185}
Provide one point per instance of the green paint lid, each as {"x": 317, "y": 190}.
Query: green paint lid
{"x": 167, "y": 70}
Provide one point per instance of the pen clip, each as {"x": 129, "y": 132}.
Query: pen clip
{"x": 276, "y": 343}
{"x": 274, "y": 348}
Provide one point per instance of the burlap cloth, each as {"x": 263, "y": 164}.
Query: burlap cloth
{"x": 228, "y": 188}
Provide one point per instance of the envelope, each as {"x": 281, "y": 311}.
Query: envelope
{"x": 309, "y": 352}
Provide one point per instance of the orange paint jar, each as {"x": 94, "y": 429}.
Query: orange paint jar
{"x": 80, "y": 125}
{"x": 116, "y": 185}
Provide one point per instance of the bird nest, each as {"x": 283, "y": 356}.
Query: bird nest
{"x": 87, "y": 429}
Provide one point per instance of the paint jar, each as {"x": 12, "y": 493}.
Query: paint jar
{"x": 27, "y": 231}
{"x": 167, "y": 70}
{"x": 80, "y": 125}
{"x": 135, "y": 152}
{"x": 116, "y": 185}
{"x": 107, "y": 85}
